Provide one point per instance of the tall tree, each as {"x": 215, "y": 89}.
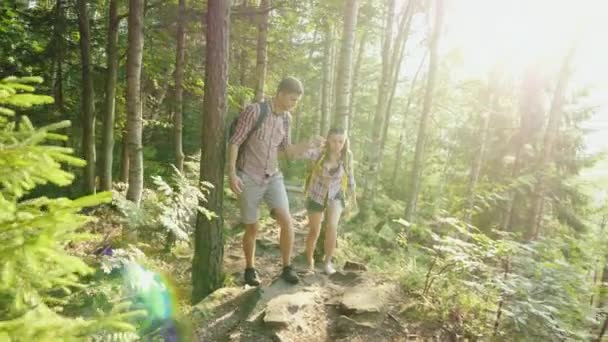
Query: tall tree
{"x": 262, "y": 50}
{"x": 327, "y": 78}
{"x": 530, "y": 109}
{"x": 355, "y": 83}
{"x": 396, "y": 61}
{"x": 344, "y": 76}
{"x": 107, "y": 142}
{"x": 87, "y": 101}
{"x": 134, "y": 107}
{"x": 59, "y": 45}
{"x": 383, "y": 89}
{"x": 402, "y": 134}
{"x": 414, "y": 186}
{"x": 555, "y": 116}
{"x": 179, "y": 90}
{"x": 491, "y": 104}
{"x": 209, "y": 239}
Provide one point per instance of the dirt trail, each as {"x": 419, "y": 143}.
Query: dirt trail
{"x": 351, "y": 305}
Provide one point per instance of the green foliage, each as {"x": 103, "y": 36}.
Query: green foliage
{"x": 172, "y": 208}
{"x": 37, "y": 272}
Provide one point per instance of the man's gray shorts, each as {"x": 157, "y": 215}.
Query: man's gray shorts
{"x": 273, "y": 192}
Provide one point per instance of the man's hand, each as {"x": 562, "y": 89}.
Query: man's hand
{"x": 236, "y": 184}
{"x": 316, "y": 142}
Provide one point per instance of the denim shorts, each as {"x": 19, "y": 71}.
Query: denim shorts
{"x": 315, "y": 207}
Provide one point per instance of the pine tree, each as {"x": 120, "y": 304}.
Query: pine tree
{"x": 36, "y": 270}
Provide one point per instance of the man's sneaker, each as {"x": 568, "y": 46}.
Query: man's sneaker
{"x": 289, "y": 275}
{"x": 251, "y": 277}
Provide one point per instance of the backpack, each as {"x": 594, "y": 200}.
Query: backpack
{"x": 264, "y": 110}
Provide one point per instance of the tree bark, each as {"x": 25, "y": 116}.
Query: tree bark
{"x": 396, "y": 62}
{"x": 401, "y": 145}
{"x": 327, "y": 77}
{"x": 209, "y": 239}
{"x": 344, "y": 76}
{"x": 87, "y": 100}
{"x": 262, "y": 51}
{"x": 373, "y": 156}
{"x": 59, "y": 33}
{"x": 555, "y": 116}
{"x": 530, "y": 107}
{"x": 134, "y": 105}
{"x": 179, "y": 90}
{"x": 478, "y": 159}
{"x": 124, "y": 159}
{"x": 107, "y": 143}
{"x": 426, "y": 109}
{"x": 355, "y": 83}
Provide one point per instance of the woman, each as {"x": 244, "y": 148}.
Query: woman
{"x": 329, "y": 186}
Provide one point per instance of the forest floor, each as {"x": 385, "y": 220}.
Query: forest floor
{"x": 353, "y": 304}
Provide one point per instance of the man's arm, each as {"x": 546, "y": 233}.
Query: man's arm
{"x": 233, "y": 151}
{"x": 244, "y": 126}
{"x": 236, "y": 184}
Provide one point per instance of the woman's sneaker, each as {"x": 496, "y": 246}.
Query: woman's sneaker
{"x": 329, "y": 269}
{"x": 251, "y": 277}
{"x": 289, "y": 275}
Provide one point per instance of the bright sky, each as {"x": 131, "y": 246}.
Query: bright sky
{"x": 516, "y": 31}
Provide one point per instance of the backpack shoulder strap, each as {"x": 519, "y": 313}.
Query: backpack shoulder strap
{"x": 263, "y": 114}
{"x": 313, "y": 169}
{"x": 258, "y": 122}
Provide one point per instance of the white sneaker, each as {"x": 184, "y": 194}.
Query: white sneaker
{"x": 329, "y": 269}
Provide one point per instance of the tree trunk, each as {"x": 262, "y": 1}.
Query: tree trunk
{"x": 262, "y": 51}
{"x": 327, "y": 76}
{"x": 401, "y": 145}
{"x": 373, "y": 156}
{"x": 344, "y": 76}
{"x": 107, "y": 143}
{"x": 88, "y": 97}
{"x": 530, "y": 108}
{"x": 179, "y": 90}
{"x": 478, "y": 158}
{"x": 353, "y": 92}
{"x": 603, "y": 330}
{"x": 59, "y": 56}
{"x": 134, "y": 108}
{"x": 424, "y": 118}
{"x": 209, "y": 240}
{"x": 396, "y": 62}
{"x": 124, "y": 159}
{"x": 555, "y": 116}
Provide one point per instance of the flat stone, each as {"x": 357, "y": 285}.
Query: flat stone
{"x": 345, "y": 324}
{"x": 363, "y": 299}
{"x": 289, "y": 309}
{"x": 354, "y": 266}
{"x": 345, "y": 278}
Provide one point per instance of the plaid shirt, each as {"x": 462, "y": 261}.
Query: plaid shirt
{"x": 259, "y": 158}
{"x": 325, "y": 184}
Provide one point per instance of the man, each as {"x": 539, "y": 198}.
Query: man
{"x": 254, "y": 173}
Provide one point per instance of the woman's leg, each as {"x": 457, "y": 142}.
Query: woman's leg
{"x": 334, "y": 210}
{"x": 314, "y": 226}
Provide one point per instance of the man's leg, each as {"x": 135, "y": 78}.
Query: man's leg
{"x": 251, "y": 230}
{"x": 249, "y": 201}
{"x": 276, "y": 197}
{"x": 286, "y": 234}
